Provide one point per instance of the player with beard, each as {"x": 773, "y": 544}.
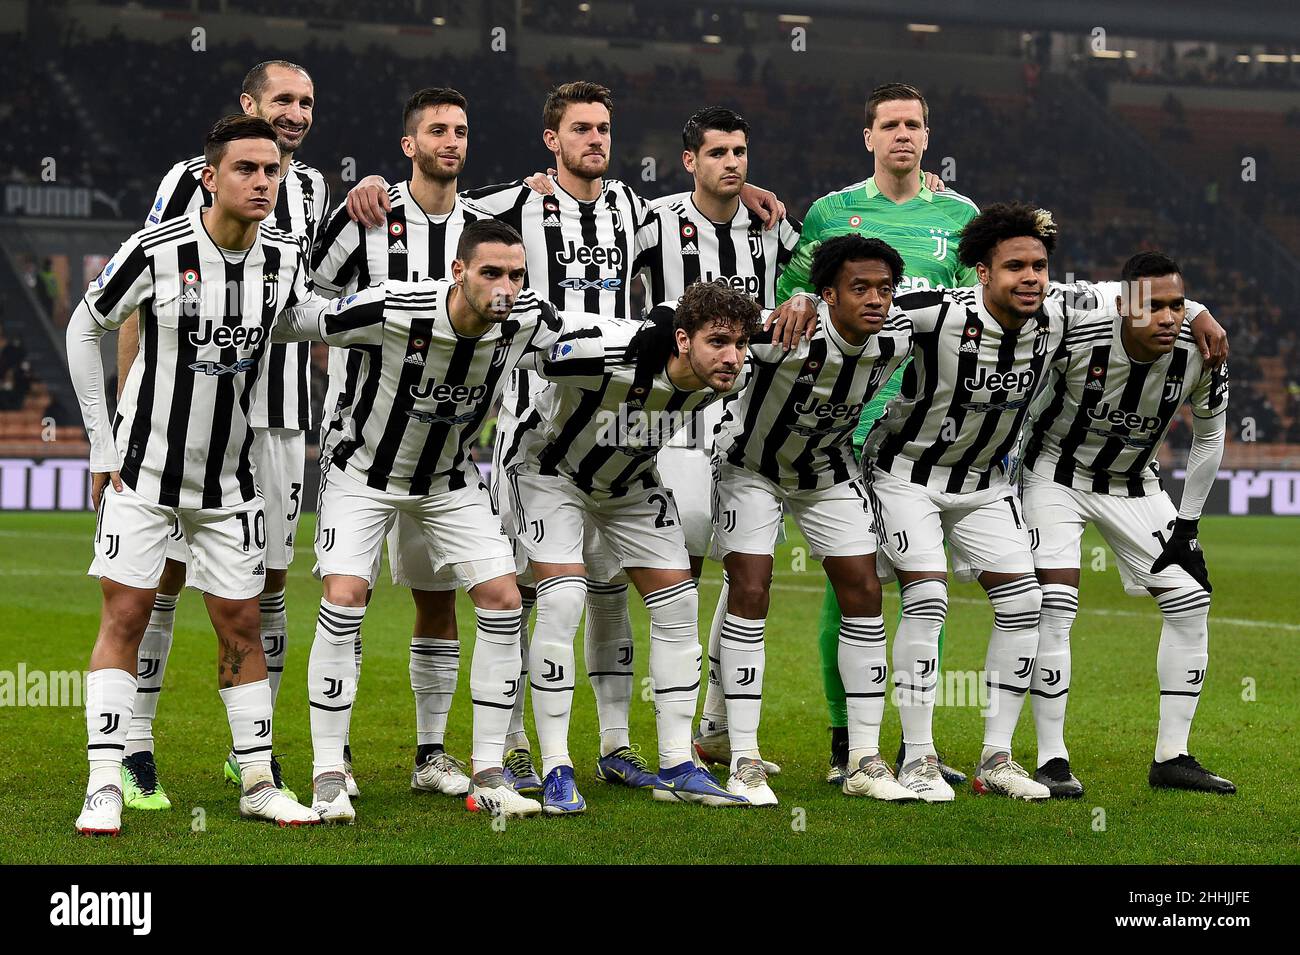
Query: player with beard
{"x": 417, "y": 240}
{"x": 582, "y": 239}
{"x": 283, "y": 94}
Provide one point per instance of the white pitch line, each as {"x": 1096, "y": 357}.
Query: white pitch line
{"x": 1099, "y": 611}
{"x": 804, "y": 589}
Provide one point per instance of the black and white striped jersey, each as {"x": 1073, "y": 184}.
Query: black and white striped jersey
{"x": 182, "y": 429}
{"x": 691, "y": 248}
{"x": 966, "y": 391}
{"x": 411, "y": 245}
{"x": 283, "y": 397}
{"x": 1102, "y": 417}
{"x": 580, "y": 254}
{"x": 793, "y": 421}
{"x": 426, "y": 389}
{"x": 603, "y": 415}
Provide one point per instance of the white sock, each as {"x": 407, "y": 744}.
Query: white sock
{"x": 493, "y": 683}
{"x": 1050, "y": 688}
{"x": 916, "y": 663}
{"x": 863, "y": 668}
{"x": 151, "y": 664}
{"x": 517, "y": 737}
{"x": 607, "y": 647}
{"x": 715, "y": 703}
{"x": 248, "y": 710}
{"x": 275, "y": 634}
{"x": 1009, "y": 664}
{"x": 742, "y": 657}
{"x": 332, "y": 683}
{"x": 435, "y": 669}
{"x": 551, "y": 665}
{"x": 109, "y": 697}
{"x": 1181, "y": 663}
{"x": 674, "y": 667}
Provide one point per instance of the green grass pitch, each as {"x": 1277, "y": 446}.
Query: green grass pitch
{"x": 1245, "y": 729}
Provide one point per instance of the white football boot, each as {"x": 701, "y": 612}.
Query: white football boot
{"x": 266, "y": 802}
{"x": 750, "y": 780}
{"x": 102, "y": 813}
{"x": 923, "y": 778}
{"x": 490, "y": 793}
{"x": 440, "y": 773}
{"x": 1003, "y": 776}
{"x": 714, "y": 748}
{"x": 329, "y": 798}
{"x": 353, "y": 789}
{"x": 874, "y": 778}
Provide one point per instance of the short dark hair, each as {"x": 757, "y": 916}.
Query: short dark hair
{"x": 833, "y": 253}
{"x": 580, "y": 91}
{"x": 230, "y": 128}
{"x": 712, "y": 117}
{"x": 888, "y": 92}
{"x": 1002, "y": 221}
{"x": 429, "y": 96}
{"x": 255, "y": 79}
{"x": 714, "y": 303}
{"x": 484, "y": 230}
{"x": 1148, "y": 265}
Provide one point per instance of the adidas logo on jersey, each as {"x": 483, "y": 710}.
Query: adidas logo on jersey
{"x": 398, "y": 248}
{"x": 690, "y": 250}
{"x": 1095, "y": 385}
{"x": 970, "y": 346}
{"x": 260, "y": 569}
{"x": 809, "y": 379}
{"x": 191, "y": 296}
{"x": 550, "y": 222}
{"x": 414, "y": 359}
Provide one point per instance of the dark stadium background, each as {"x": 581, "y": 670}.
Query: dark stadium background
{"x": 1155, "y": 125}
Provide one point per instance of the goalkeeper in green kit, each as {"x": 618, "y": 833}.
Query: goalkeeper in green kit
{"x": 923, "y": 226}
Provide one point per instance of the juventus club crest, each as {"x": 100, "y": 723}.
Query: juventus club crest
{"x": 755, "y": 245}
{"x": 1173, "y": 388}
{"x": 940, "y": 237}
{"x": 270, "y": 289}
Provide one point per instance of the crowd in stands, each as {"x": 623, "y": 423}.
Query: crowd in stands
{"x": 990, "y": 149}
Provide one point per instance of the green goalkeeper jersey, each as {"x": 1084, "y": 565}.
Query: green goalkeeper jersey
{"x": 924, "y": 230}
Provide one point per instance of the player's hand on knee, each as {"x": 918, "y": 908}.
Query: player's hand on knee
{"x": 1184, "y": 550}
{"x": 100, "y": 480}
{"x": 368, "y": 202}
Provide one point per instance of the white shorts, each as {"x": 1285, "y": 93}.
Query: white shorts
{"x": 410, "y": 560}
{"x": 279, "y": 460}
{"x": 687, "y": 473}
{"x": 554, "y": 521}
{"x": 226, "y": 545}
{"x": 1056, "y": 516}
{"x": 459, "y": 527}
{"x": 748, "y": 514}
{"x": 985, "y": 530}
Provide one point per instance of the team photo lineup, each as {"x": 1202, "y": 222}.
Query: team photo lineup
{"x": 899, "y": 374}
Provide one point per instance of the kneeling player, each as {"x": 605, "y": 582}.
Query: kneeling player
{"x": 440, "y": 354}
{"x": 1090, "y": 456}
{"x": 786, "y": 440}
{"x": 617, "y": 394}
{"x": 211, "y": 286}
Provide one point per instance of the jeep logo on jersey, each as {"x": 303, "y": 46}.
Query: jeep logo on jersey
{"x": 611, "y": 257}
{"x": 457, "y": 394}
{"x": 211, "y": 332}
{"x": 1117, "y": 416}
{"x": 740, "y": 283}
{"x": 828, "y": 409}
{"x": 1001, "y": 380}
